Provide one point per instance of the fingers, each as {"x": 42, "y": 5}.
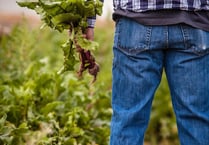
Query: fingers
{"x": 89, "y": 33}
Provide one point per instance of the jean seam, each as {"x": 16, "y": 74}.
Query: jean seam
{"x": 148, "y": 37}
{"x": 119, "y": 33}
{"x": 166, "y": 37}
{"x": 185, "y": 36}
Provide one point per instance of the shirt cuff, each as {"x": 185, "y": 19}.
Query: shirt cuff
{"x": 91, "y": 22}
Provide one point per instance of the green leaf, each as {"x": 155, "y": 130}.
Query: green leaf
{"x": 2, "y": 120}
{"x": 98, "y": 6}
{"x": 52, "y": 8}
{"x": 70, "y": 141}
{"x": 66, "y": 18}
{"x": 51, "y": 107}
{"x": 22, "y": 128}
{"x": 87, "y": 44}
{"x": 30, "y": 5}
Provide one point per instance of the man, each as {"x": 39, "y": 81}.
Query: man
{"x": 152, "y": 35}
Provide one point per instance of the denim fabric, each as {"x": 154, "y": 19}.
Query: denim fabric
{"x": 140, "y": 55}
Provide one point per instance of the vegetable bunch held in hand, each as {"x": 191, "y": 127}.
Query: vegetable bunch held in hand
{"x": 71, "y": 15}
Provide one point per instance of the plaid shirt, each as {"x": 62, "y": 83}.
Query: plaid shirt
{"x": 145, "y": 5}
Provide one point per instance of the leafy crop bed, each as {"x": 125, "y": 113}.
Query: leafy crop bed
{"x": 39, "y": 107}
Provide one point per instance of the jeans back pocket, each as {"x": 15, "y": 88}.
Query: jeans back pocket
{"x": 196, "y": 40}
{"x": 132, "y": 37}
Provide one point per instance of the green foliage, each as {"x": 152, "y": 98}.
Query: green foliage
{"x": 64, "y": 14}
{"x": 40, "y": 107}
{"x": 71, "y": 15}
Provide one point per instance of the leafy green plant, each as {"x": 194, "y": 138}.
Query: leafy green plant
{"x": 40, "y": 107}
{"x": 71, "y": 15}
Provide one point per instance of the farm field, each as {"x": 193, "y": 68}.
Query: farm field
{"x": 40, "y": 107}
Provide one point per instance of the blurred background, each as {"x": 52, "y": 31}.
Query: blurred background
{"x": 11, "y": 14}
{"x": 39, "y": 107}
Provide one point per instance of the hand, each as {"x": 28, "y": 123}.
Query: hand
{"x": 89, "y": 34}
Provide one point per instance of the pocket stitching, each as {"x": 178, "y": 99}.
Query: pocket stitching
{"x": 129, "y": 49}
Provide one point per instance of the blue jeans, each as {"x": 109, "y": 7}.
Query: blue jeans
{"x": 140, "y": 55}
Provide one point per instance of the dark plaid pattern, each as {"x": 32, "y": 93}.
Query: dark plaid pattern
{"x": 145, "y": 5}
